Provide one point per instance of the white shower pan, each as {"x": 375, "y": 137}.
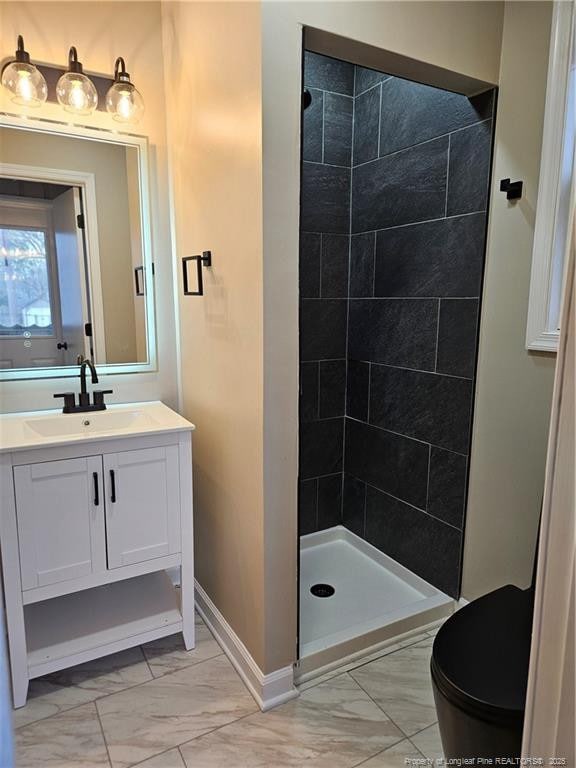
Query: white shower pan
{"x": 375, "y": 600}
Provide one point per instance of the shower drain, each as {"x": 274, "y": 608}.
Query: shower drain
{"x": 322, "y": 590}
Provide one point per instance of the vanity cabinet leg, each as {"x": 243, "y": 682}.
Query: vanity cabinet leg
{"x": 188, "y": 627}
{"x": 187, "y": 547}
{"x": 11, "y": 603}
{"x": 19, "y": 692}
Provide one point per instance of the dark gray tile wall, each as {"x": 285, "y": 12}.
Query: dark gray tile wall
{"x": 420, "y": 181}
{"x": 324, "y": 266}
{"x": 393, "y": 213}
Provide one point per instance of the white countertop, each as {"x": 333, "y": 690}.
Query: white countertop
{"x": 42, "y": 429}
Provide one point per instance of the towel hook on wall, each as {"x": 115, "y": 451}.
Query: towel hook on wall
{"x": 204, "y": 260}
{"x": 513, "y": 189}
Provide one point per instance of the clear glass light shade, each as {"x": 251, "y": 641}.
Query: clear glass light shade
{"x": 77, "y": 93}
{"x": 124, "y": 103}
{"x": 25, "y": 83}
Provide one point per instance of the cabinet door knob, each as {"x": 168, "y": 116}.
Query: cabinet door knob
{"x": 112, "y": 486}
{"x": 96, "y": 493}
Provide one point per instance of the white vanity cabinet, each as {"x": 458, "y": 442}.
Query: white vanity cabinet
{"x": 142, "y": 505}
{"x": 81, "y": 516}
{"x": 61, "y": 531}
{"x": 89, "y": 529}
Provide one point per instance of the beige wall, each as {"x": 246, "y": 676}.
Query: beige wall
{"x": 102, "y": 31}
{"x": 514, "y": 387}
{"x": 214, "y": 105}
{"x": 108, "y": 163}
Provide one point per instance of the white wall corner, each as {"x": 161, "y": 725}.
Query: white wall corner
{"x": 268, "y": 690}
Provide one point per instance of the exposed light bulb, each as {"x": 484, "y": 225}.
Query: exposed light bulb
{"x": 23, "y": 80}
{"x": 123, "y": 101}
{"x": 74, "y": 91}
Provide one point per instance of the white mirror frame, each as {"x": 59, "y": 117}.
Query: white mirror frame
{"x": 140, "y": 143}
{"x": 554, "y": 187}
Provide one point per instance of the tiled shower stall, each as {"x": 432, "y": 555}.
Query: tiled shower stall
{"x": 395, "y": 179}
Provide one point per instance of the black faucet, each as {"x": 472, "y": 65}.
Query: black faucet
{"x": 84, "y": 396}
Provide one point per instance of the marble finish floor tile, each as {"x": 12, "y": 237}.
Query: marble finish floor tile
{"x": 168, "y": 653}
{"x": 400, "y": 684}
{"x": 72, "y": 687}
{"x": 170, "y": 759}
{"x": 347, "y": 667}
{"x": 71, "y": 739}
{"x": 169, "y": 710}
{"x": 333, "y": 725}
{"x": 429, "y": 743}
{"x": 394, "y": 757}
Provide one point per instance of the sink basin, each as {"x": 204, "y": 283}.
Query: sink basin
{"x": 89, "y": 423}
{"x": 41, "y": 429}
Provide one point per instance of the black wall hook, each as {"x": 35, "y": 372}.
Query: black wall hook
{"x": 201, "y": 260}
{"x": 513, "y": 189}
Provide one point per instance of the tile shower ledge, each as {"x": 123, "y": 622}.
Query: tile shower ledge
{"x": 44, "y": 429}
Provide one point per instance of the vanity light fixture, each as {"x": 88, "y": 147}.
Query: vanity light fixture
{"x": 123, "y": 101}
{"x": 23, "y": 80}
{"x": 74, "y": 91}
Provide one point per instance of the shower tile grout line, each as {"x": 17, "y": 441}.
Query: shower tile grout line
{"x": 388, "y": 298}
{"x": 438, "y": 341}
{"x": 323, "y": 124}
{"x": 327, "y": 90}
{"x": 399, "y": 226}
{"x": 428, "y": 480}
{"x": 320, "y": 264}
{"x": 350, "y": 199}
{"x": 408, "y": 504}
{"x": 379, "y": 125}
{"x": 447, "y": 175}
{"x": 364, "y": 526}
{"x": 371, "y": 87}
{"x": 408, "y": 437}
{"x": 369, "y": 391}
{"x": 426, "y": 141}
{"x": 318, "y": 477}
{"x": 396, "y": 367}
{"x": 374, "y": 250}
{"x": 318, "y": 389}
{"x": 420, "y": 370}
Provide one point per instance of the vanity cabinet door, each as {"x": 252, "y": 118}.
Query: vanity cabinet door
{"x": 142, "y": 505}
{"x": 60, "y": 511}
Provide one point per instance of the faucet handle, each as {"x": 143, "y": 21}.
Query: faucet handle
{"x": 99, "y": 398}
{"x": 69, "y": 401}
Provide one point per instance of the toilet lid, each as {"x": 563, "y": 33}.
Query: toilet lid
{"x": 481, "y": 653}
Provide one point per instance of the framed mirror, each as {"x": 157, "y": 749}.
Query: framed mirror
{"x": 76, "y": 266}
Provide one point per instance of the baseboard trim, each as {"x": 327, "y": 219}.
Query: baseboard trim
{"x": 269, "y": 690}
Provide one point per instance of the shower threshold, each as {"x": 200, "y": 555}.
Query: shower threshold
{"x": 374, "y": 602}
